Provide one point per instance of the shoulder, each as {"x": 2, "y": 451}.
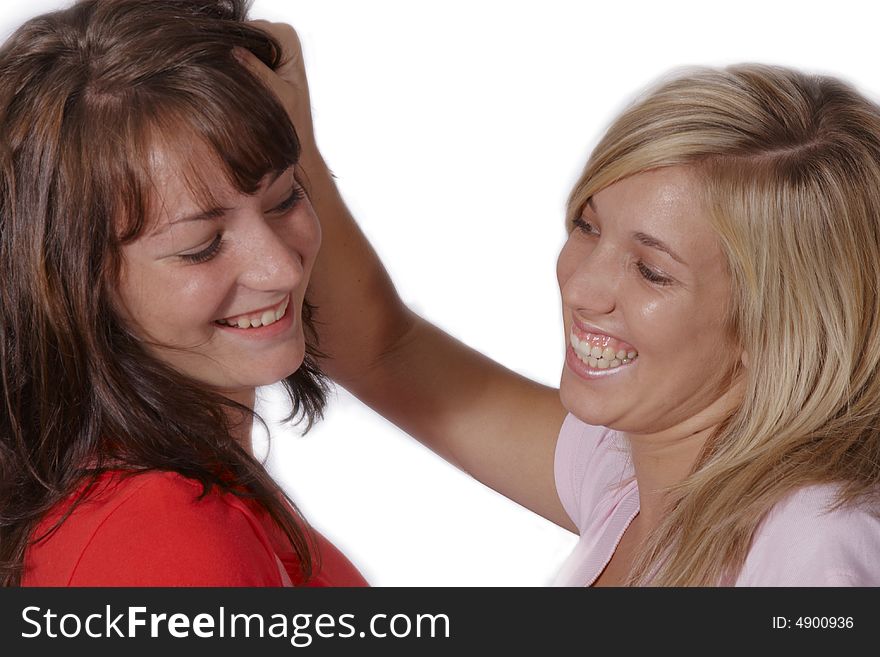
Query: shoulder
{"x": 803, "y": 542}
{"x": 156, "y": 529}
{"x": 591, "y": 464}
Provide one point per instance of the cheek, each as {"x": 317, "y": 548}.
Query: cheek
{"x": 657, "y": 323}
{"x": 665, "y": 327}
{"x": 168, "y": 307}
{"x": 135, "y": 295}
{"x": 688, "y": 339}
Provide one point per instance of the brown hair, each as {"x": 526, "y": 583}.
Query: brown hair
{"x": 84, "y": 94}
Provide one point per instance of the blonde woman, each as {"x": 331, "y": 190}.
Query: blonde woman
{"x": 717, "y": 417}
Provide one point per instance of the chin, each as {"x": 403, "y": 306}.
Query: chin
{"x": 586, "y": 407}
{"x": 278, "y": 372}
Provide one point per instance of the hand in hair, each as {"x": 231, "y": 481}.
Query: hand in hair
{"x": 492, "y": 423}
{"x": 288, "y": 82}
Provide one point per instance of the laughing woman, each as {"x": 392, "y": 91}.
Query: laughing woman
{"x": 717, "y": 418}
{"x": 155, "y": 247}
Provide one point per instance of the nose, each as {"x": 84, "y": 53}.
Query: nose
{"x": 589, "y": 279}
{"x": 269, "y": 259}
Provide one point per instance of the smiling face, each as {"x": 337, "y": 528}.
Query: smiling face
{"x": 217, "y": 293}
{"x": 644, "y": 287}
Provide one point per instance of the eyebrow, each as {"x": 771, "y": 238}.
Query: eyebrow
{"x": 213, "y": 213}
{"x": 646, "y": 240}
{"x": 203, "y": 215}
{"x": 654, "y": 243}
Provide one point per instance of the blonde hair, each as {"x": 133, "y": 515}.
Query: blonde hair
{"x": 790, "y": 166}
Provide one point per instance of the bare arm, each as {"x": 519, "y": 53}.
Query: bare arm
{"x": 494, "y": 424}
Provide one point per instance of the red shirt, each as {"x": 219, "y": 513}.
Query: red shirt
{"x": 151, "y": 529}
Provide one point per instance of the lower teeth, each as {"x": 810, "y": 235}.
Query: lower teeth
{"x": 603, "y": 364}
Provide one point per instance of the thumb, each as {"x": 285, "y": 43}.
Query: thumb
{"x": 254, "y": 64}
{"x": 294, "y": 100}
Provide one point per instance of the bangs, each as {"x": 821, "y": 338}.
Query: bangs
{"x": 222, "y": 121}
{"x": 98, "y": 87}
{"x": 147, "y": 78}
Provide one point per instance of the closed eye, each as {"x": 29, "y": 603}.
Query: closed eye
{"x": 652, "y": 276}
{"x": 205, "y": 254}
{"x": 590, "y": 229}
{"x": 297, "y": 194}
{"x": 584, "y": 226}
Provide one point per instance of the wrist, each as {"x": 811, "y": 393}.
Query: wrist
{"x": 310, "y": 157}
{"x": 319, "y": 181}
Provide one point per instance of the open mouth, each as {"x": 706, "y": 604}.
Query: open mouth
{"x": 601, "y": 352}
{"x": 258, "y": 318}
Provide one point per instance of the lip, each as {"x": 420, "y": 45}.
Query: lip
{"x": 584, "y": 371}
{"x": 263, "y": 332}
{"x": 581, "y": 329}
{"x": 260, "y": 310}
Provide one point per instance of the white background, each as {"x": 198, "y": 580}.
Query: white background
{"x": 456, "y": 130}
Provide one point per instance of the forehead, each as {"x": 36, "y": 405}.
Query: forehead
{"x": 185, "y": 177}
{"x": 663, "y": 203}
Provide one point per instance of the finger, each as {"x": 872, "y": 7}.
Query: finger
{"x": 286, "y": 94}
{"x": 284, "y": 34}
{"x": 255, "y": 65}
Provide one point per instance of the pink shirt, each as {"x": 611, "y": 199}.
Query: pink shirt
{"x": 799, "y": 543}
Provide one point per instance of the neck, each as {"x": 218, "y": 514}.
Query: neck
{"x": 665, "y": 458}
{"x": 242, "y": 423}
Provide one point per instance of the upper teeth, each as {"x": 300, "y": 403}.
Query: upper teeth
{"x": 264, "y": 318}
{"x": 602, "y": 351}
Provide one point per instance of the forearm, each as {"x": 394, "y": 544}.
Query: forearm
{"x": 456, "y": 400}
{"x": 496, "y": 425}
{"x": 406, "y": 369}
{"x": 358, "y": 314}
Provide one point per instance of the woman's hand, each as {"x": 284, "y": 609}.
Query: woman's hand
{"x": 289, "y": 82}
{"x": 496, "y": 425}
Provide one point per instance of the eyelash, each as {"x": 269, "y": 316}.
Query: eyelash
{"x": 646, "y": 272}
{"x": 582, "y": 226}
{"x": 206, "y": 254}
{"x": 651, "y": 276}
{"x": 296, "y": 195}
